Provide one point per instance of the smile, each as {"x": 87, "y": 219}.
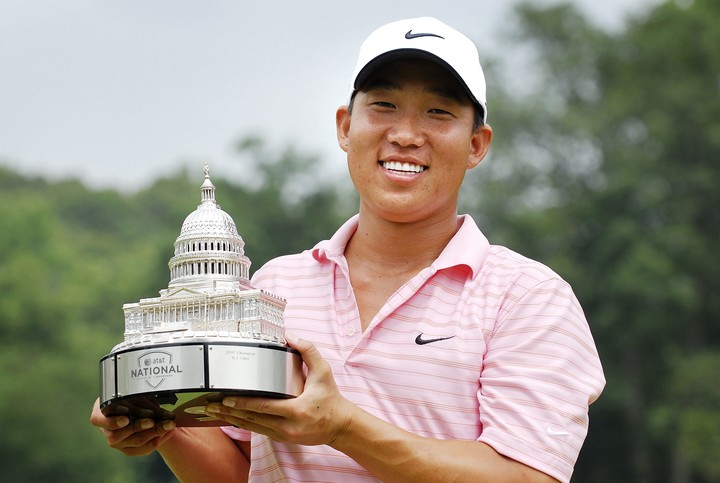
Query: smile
{"x": 402, "y": 167}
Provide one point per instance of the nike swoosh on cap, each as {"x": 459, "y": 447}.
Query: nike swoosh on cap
{"x": 409, "y": 35}
{"x": 420, "y": 341}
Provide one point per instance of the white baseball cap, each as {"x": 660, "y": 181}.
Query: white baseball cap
{"x": 429, "y": 38}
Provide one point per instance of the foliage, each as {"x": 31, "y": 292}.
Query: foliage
{"x": 54, "y": 280}
{"x": 690, "y": 412}
{"x": 69, "y": 259}
{"x": 606, "y": 170}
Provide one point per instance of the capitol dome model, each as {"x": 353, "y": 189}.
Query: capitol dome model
{"x": 209, "y": 294}
{"x": 208, "y": 335}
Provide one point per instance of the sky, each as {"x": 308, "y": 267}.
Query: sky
{"x": 117, "y": 93}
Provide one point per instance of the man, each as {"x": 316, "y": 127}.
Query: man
{"x": 431, "y": 355}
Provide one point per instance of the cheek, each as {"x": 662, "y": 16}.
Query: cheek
{"x": 453, "y": 173}
{"x": 361, "y": 135}
{"x": 359, "y": 170}
{"x": 362, "y": 149}
{"x": 459, "y": 149}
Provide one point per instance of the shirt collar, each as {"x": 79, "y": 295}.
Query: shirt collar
{"x": 335, "y": 247}
{"x": 468, "y": 247}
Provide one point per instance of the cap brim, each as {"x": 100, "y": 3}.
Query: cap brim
{"x": 402, "y": 54}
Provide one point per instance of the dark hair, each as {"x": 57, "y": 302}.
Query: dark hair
{"x": 477, "y": 111}
{"x": 478, "y": 116}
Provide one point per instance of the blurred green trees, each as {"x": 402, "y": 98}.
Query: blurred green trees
{"x": 604, "y": 166}
{"x": 70, "y": 258}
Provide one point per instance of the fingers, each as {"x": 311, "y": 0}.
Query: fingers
{"x": 97, "y": 418}
{"x": 139, "y": 437}
{"x": 275, "y": 407}
{"x": 244, "y": 419}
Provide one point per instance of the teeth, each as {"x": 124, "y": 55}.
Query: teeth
{"x": 403, "y": 167}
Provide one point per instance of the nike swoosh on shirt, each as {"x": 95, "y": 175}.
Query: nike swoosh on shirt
{"x": 409, "y": 35}
{"x": 420, "y": 341}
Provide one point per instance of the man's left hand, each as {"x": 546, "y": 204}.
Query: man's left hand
{"x": 317, "y": 416}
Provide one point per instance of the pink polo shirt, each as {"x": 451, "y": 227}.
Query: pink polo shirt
{"x": 483, "y": 345}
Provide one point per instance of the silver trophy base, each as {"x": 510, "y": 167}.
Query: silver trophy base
{"x": 175, "y": 381}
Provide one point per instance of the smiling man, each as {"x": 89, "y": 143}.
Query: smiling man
{"x": 431, "y": 354}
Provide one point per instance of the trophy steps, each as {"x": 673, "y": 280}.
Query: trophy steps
{"x": 176, "y": 380}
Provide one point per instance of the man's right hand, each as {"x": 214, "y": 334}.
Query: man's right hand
{"x": 137, "y": 438}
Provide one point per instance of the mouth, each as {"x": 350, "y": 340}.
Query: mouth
{"x": 402, "y": 168}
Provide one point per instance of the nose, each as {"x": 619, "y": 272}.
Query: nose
{"x": 407, "y": 131}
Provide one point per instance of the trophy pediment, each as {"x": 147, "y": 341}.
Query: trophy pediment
{"x": 183, "y": 293}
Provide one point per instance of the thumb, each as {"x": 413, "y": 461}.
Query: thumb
{"x": 309, "y": 353}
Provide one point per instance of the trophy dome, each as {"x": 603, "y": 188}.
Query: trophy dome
{"x": 208, "y": 219}
{"x": 209, "y": 249}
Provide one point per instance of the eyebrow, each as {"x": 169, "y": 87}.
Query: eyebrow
{"x": 447, "y": 93}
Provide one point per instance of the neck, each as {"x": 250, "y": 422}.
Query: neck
{"x": 399, "y": 247}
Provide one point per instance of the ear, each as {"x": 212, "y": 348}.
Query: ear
{"x": 342, "y": 125}
{"x": 479, "y": 145}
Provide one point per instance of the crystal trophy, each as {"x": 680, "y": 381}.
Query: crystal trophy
{"x": 209, "y": 335}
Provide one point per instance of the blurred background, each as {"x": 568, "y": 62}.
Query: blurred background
{"x": 605, "y": 166}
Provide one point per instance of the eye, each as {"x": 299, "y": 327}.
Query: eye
{"x": 440, "y": 112}
{"x": 384, "y": 104}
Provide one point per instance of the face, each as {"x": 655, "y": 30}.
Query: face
{"x": 409, "y": 142}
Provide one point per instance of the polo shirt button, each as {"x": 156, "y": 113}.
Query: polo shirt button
{"x": 351, "y": 331}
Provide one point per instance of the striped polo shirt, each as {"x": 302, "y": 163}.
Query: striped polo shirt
{"x": 483, "y": 345}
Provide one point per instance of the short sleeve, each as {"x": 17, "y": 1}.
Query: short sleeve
{"x": 540, "y": 373}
